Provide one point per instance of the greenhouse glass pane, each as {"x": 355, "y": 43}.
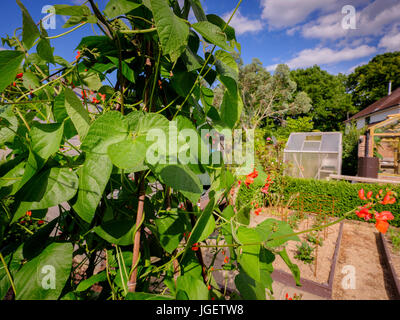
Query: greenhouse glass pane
{"x": 330, "y": 142}
{"x": 295, "y": 142}
{"x": 311, "y": 145}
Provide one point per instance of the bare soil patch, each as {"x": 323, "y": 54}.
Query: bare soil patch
{"x": 320, "y": 268}
{"x": 361, "y": 248}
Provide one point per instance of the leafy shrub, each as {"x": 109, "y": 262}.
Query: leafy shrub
{"x": 305, "y": 253}
{"x": 344, "y": 193}
{"x": 350, "y": 150}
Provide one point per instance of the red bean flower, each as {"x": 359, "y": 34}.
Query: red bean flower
{"x": 265, "y": 188}
{"x": 257, "y": 211}
{"x": 387, "y": 199}
{"x": 361, "y": 194}
{"x": 250, "y": 177}
{"x": 364, "y": 213}
{"x": 20, "y": 75}
{"x": 369, "y": 195}
{"x": 381, "y": 221}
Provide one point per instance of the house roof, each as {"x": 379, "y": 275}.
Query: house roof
{"x": 380, "y": 105}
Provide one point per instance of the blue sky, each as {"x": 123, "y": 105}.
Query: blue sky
{"x": 300, "y": 33}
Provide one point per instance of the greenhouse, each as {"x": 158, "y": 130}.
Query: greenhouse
{"x": 313, "y": 154}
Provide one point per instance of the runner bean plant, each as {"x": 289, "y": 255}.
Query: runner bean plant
{"x": 79, "y": 135}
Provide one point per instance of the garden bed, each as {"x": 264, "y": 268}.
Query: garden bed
{"x": 315, "y": 278}
{"x": 361, "y": 247}
{"x": 393, "y": 259}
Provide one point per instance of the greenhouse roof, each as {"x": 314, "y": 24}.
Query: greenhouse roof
{"x": 324, "y": 142}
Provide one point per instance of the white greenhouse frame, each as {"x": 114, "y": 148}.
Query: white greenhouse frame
{"x": 313, "y": 154}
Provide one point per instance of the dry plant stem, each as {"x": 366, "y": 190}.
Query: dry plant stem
{"x": 136, "y": 245}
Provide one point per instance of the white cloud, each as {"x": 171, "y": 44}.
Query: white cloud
{"x": 326, "y": 27}
{"x": 320, "y": 56}
{"x": 78, "y": 2}
{"x": 372, "y": 20}
{"x": 271, "y": 68}
{"x": 243, "y": 24}
{"x": 354, "y": 67}
{"x": 288, "y": 13}
{"x": 390, "y": 42}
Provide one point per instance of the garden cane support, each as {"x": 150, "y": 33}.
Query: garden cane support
{"x": 136, "y": 245}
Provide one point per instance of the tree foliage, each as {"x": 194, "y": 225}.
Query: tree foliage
{"x": 269, "y": 96}
{"x": 369, "y": 83}
{"x": 330, "y": 103}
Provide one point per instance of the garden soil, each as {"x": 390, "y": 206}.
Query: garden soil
{"x": 324, "y": 254}
{"x": 362, "y": 248}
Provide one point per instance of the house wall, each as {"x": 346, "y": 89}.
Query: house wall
{"x": 377, "y": 117}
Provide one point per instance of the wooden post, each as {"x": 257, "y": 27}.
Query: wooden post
{"x": 371, "y": 142}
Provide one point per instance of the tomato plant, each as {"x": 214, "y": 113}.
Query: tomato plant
{"x": 129, "y": 213}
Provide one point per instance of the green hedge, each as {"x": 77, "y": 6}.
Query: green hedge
{"x": 344, "y": 193}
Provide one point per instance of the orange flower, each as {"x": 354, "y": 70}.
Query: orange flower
{"x": 226, "y": 260}
{"x": 78, "y": 55}
{"x": 254, "y": 174}
{"x": 209, "y": 287}
{"x": 361, "y": 194}
{"x": 387, "y": 199}
{"x": 384, "y": 215}
{"x": 248, "y": 181}
{"x": 381, "y": 221}
{"x": 382, "y": 226}
{"x": 369, "y": 194}
{"x": 265, "y": 188}
{"x": 29, "y": 213}
{"x": 364, "y": 213}
{"x": 257, "y": 211}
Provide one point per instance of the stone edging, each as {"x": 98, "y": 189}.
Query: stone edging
{"x": 320, "y": 289}
{"x": 390, "y": 263}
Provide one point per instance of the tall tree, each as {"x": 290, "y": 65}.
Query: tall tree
{"x": 265, "y": 96}
{"x": 369, "y": 83}
{"x": 330, "y": 103}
